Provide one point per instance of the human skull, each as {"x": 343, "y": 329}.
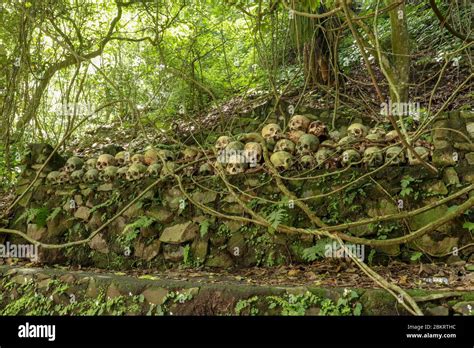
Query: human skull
{"x": 335, "y": 135}
{"x": 299, "y": 122}
{"x": 122, "y": 173}
{"x": 281, "y": 160}
{"x": 135, "y": 172}
{"x": 137, "y": 159}
{"x": 395, "y": 155}
{"x": 373, "y": 156}
{"x": 376, "y": 135}
{"x": 104, "y": 161}
{"x": 420, "y": 150}
{"x": 90, "y": 164}
{"x": 167, "y": 155}
{"x": 272, "y": 131}
{"x": 350, "y": 157}
{"x": 329, "y": 144}
{"x": 168, "y": 169}
{"x": 151, "y": 156}
{"x": 108, "y": 174}
{"x": 73, "y": 163}
{"x": 317, "y": 128}
{"x": 236, "y": 164}
{"x": 285, "y": 145}
{"x": 91, "y": 176}
{"x": 235, "y": 145}
{"x": 53, "y": 177}
{"x": 323, "y": 155}
{"x": 205, "y": 169}
{"x": 222, "y": 143}
{"x": 391, "y": 136}
{"x": 357, "y": 130}
{"x": 307, "y": 144}
{"x": 154, "y": 170}
{"x": 307, "y": 161}
{"x": 470, "y": 129}
{"x": 77, "y": 175}
{"x": 294, "y": 136}
{"x": 346, "y": 142}
{"x": 64, "y": 177}
{"x": 253, "y": 152}
{"x": 189, "y": 154}
{"x": 122, "y": 158}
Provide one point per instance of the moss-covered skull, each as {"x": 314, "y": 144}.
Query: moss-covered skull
{"x": 154, "y": 170}
{"x": 77, "y": 176}
{"x": 307, "y": 162}
{"x": 108, "y": 174}
{"x": 122, "y": 173}
{"x": 135, "y": 172}
{"x": 91, "y": 176}
{"x": 205, "y": 169}
{"x": 167, "y": 155}
{"x": 285, "y": 145}
{"x": 222, "y": 143}
{"x": 73, "y": 163}
{"x": 137, "y": 158}
{"x": 53, "y": 177}
{"x": 373, "y": 156}
{"x": 189, "y": 154}
{"x": 64, "y": 177}
{"x": 169, "y": 168}
{"x": 349, "y": 157}
{"x": 122, "y": 158}
{"x": 357, "y": 130}
{"x": 236, "y": 164}
{"x": 299, "y": 122}
{"x": 391, "y": 136}
{"x": 307, "y": 144}
{"x": 253, "y": 153}
{"x": 282, "y": 160}
{"x": 317, "y": 128}
{"x": 104, "y": 161}
{"x": 294, "y": 136}
{"x": 272, "y": 131}
{"x": 151, "y": 156}
{"x": 376, "y": 135}
{"x": 423, "y": 152}
{"x": 395, "y": 155}
{"x": 323, "y": 155}
{"x": 90, "y": 164}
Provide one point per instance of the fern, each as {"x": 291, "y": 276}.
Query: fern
{"x": 130, "y": 232}
{"x": 204, "y": 227}
{"x": 277, "y": 217}
{"x": 38, "y": 216}
{"x": 316, "y": 251}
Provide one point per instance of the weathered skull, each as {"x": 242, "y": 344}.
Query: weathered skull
{"x": 470, "y": 129}
{"x": 329, "y": 144}
{"x": 391, "y": 136}
{"x": 167, "y": 155}
{"x": 189, "y": 154}
{"x": 335, "y": 135}
{"x": 77, "y": 175}
{"x": 420, "y": 150}
{"x": 272, "y": 131}
{"x": 357, "y": 130}
{"x": 236, "y": 164}
{"x": 90, "y": 164}
{"x": 104, "y": 161}
{"x": 253, "y": 152}
{"x": 376, "y": 135}
{"x": 168, "y": 169}
{"x": 285, "y": 145}
{"x": 281, "y": 160}
{"x": 122, "y": 173}
{"x": 294, "y": 136}
{"x": 135, "y": 172}
{"x": 307, "y": 161}
{"x": 154, "y": 170}
{"x": 235, "y": 145}
{"x": 137, "y": 159}
{"x": 299, "y": 122}
{"x": 205, "y": 169}
{"x": 108, "y": 174}
{"x": 373, "y": 156}
{"x": 151, "y": 156}
{"x": 63, "y": 177}
{"x": 307, "y": 144}
{"x": 122, "y": 158}
{"x": 318, "y": 129}
{"x": 73, "y": 163}
{"x": 53, "y": 177}
{"x": 222, "y": 143}
{"x": 91, "y": 176}
{"x": 323, "y": 155}
{"x": 395, "y": 155}
{"x": 350, "y": 157}
{"x": 346, "y": 142}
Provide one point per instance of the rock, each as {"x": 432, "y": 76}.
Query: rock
{"x": 43, "y": 284}
{"x": 95, "y": 221}
{"x": 435, "y": 247}
{"x": 236, "y": 245}
{"x": 160, "y": 214}
{"x": 470, "y": 267}
{"x": 134, "y": 210}
{"x": 113, "y": 291}
{"x": 233, "y": 225}
{"x": 82, "y": 213}
{"x": 438, "y": 311}
{"x": 435, "y": 188}
{"x": 105, "y": 187}
{"x": 470, "y": 129}
{"x": 443, "y": 158}
{"x": 179, "y": 233}
{"x": 470, "y": 158}
{"x": 36, "y": 232}
{"x": 99, "y": 244}
{"x": 363, "y": 230}
{"x": 67, "y": 278}
{"x": 467, "y": 115}
{"x": 382, "y": 207}
{"x": 155, "y": 295}
{"x": 391, "y": 250}
{"x": 205, "y": 197}
{"x": 420, "y": 220}
{"x": 173, "y": 197}
{"x": 79, "y": 200}
{"x": 58, "y": 226}
{"x": 464, "y": 308}
{"x": 233, "y": 208}
{"x": 173, "y": 253}
{"x": 118, "y": 225}
{"x": 450, "y": 177}
{"x": 442, "y": 145}
{"x": 147, "y": 252}
{"x": 22, "y": 279}
{"x": 220, "y": 260}
{"x": 199, "y": 249}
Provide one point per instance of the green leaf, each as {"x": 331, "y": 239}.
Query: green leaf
{"x": 469, "y": 226}
{"x": 416, "y": 256}
{"x": 204, "y": 227}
